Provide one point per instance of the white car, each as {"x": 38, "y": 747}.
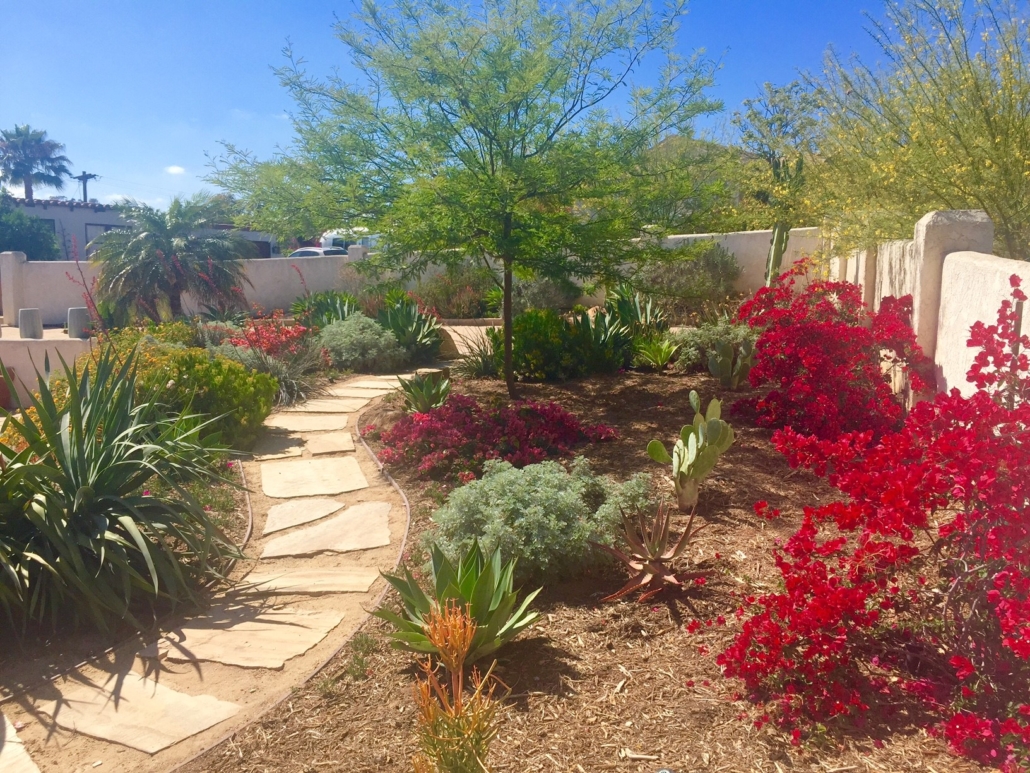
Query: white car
{"x": 317, "y": 252}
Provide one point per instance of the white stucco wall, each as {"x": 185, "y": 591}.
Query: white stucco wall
{"x": 751, "y": 249}
{"x": 973, "y": 285}
{"x": 26, "y": 357}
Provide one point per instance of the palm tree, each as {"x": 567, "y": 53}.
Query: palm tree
{"x": 27, "y": 157}
{"x": 162, "y": 255}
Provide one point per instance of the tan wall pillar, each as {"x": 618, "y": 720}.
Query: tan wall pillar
{"x": 11, "y": 285}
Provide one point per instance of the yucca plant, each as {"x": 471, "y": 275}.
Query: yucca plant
{"x": 696, "y": 451}
{"x": 454, "y": 730}
{"x": 484, "y": 584}
{"x": 649, "y": 552}
{"x": 417, "y": 332}
{"x": 323, "y": 308}
{"x": 423, "y": 392}
{"x": 80, "y": 536}
{"x": 655, "y": 353}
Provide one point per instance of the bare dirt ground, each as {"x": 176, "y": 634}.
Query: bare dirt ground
{"x": 598, "y": 686}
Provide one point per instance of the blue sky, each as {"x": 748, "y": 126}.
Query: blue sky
{"x": 139, "y": 92}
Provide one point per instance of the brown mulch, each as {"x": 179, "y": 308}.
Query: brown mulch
{"x": 599, "y": 686}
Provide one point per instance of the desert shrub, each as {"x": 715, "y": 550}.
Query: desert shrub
{"x": 542, "y": 515}
{"x": 295, "y": 368}
{"x": 272, "y": 335}
{"x": 548, "y": 347}
{"x": 454, "y": 440}
{"x": 544, "y": 293}
{"x": 211, "y": 334}
{"x": 699, "y": 274}
{"x": 824, "y": 353}
{"x": 81, "y": 537}
{"x": 479, "y": 361}
{"x": 323, "y": 308}
{"x": 179, "y": 332}
{"x": 458, "y": 293}
{"x": 698, "y": 343}
{"x": 361, "y": 344}
{"x": 914, "y": 588}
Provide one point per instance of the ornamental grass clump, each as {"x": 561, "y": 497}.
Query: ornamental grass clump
{"x": 914, "y": 588}
{"x": 81, "y": 537}
{"x": 481, "y": 585}
{"x": 542, "y": 515}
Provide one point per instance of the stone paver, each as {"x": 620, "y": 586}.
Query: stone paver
{"x": 299, "y": 511}
{"x": 349, "y": 390}
{"x": 329, "y": 405}
{"x": 330, "y": 443}
{"x": 303, "y": 422}
{"x": 373, "y": 383}
{"x": 137, "y": 712}
{"x": 250, "y": 637}
{"x": 311, "y": 477}
{"x": 354, "y": 579}
{"x": 13, "y": 757}
{"x": 277, "y": 446}
{"x": 358, "y": 528}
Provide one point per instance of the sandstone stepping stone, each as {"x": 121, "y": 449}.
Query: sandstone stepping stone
{"x": 276, "y": 446}
{"x": 302, "y": 422}
{"x": 329, "y": 405}
{"x": 348, "y": 390}
{"x": 299, "y": 511}
{"x": 13, "y": 757}
{"x": 311, "y": 477}
{"x": 374, "y": 384}
{"x": 135, "y": 711}
{"x": 334, "y": 580}
{"x": 330, "y": 443}
{"x": 359, "y": 527}
{"x": 249, "y": 636}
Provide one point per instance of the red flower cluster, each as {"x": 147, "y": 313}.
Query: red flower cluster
{"x": 824, "y": 354}
{"x": 918, "y": 581}
{"x": 273, "y": 335}
{"x": 454, "y": 440}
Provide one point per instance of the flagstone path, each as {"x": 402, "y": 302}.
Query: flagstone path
{"x": 326, "y": 522}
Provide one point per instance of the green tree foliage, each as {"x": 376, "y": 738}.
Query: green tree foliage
{"x": 29, "y": 158}
{"x": 499, "y": 131}
{"x": 163, "y": 255}
{"x": 778, "y": 129}
{"x": 22, "y": 233}
{"x": 943, "y": 124}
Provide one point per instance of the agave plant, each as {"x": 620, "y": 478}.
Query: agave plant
{"x": 323, "y": 308}
{"x": 696, "y": 451}
{"x": 417, "y": 332}
{"x": 656, "y": 353}
{"x": 423, "y": 392}
{"x": 79, "y": 533}
{"x": 640, "y": 314}
{"x": 483, "y": 584}
{"x": 650, "y": 551}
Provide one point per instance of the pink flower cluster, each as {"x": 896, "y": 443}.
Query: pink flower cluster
{"x": 823, "y": 354}
{"x": 453, "y": 441}
{"x": 916, "y": 585}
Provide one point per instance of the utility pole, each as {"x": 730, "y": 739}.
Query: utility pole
{"x": 84, "y": 178}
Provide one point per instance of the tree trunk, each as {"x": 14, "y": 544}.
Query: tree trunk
{"x": 28, "y": 187}
{"x": 175, "y": 303}
{"x": 509, "y": 370}
{"x": 778, "y": 246}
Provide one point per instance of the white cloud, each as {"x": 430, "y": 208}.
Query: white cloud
{"x": 115, "y": 198}
{"x": 175, "y": 170}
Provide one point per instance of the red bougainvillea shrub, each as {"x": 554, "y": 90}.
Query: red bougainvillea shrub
{"x": 454, "y": 440}
{"x": 828, "y": 358}
{"x": 916, "y": 585}
{"x": 273, "y": 335}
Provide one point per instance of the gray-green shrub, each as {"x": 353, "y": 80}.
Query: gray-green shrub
{"x": 697, "y": 343}
{"x": 541, "y": 514}
{"x": 362, "y": 345}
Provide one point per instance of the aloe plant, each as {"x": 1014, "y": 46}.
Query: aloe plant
{"x": 483, "y": 584}
{"x": 696, "y": 451}
{"x": 423, "y": 392}
{"x": 731, "y": 364}
{"x": 650, "y": 550}
{"x": 656, "y": 353}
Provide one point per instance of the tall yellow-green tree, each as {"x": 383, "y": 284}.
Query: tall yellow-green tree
{"x": 508, "y": 132}
{"x": 944, "y": 123}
